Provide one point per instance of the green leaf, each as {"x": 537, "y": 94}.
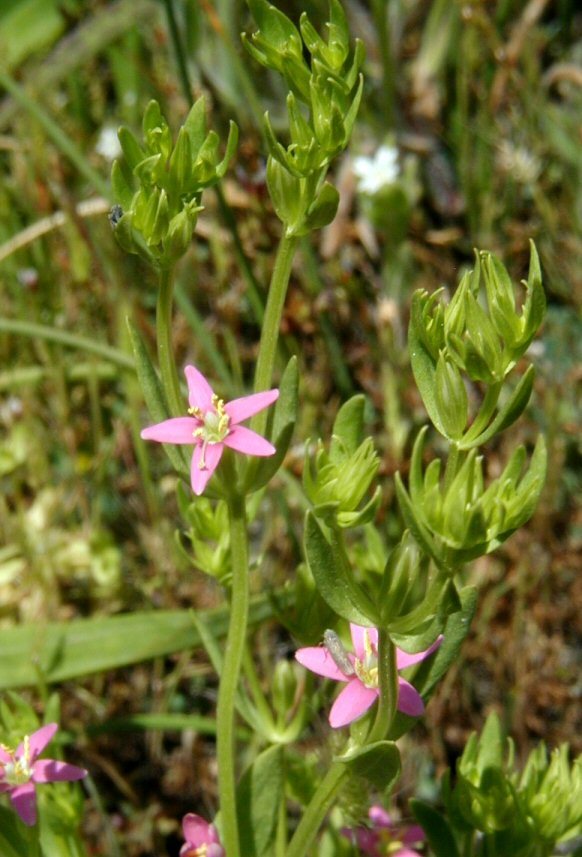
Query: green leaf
{"x": 334, "y": 579}
{"x": 154, "y": 394}
{"x": 439, "y": 834}
{"x": 416, "y": 526}
{"x": 284, "y": 188}
{"x": 424, "y": 371}
{"x": 195, "y": 126}
{"x": 322, "y": 211}
{"x": 347, "y": 429}
{"x": 60, "y": 651}
{"x": 379, "y": 763}
{"x": 275, "y": 27}
{"x": 509, "y": 413}
{"x": 259, "y": 796}
{"x": 121, "y": 187}
{"x": 429, "y": 672}
{"x": 450, "y": 397}
{"x": 132, "y": 151}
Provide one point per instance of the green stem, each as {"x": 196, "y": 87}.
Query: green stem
{"x": 272, "y": 321}
{"x": 316, "y": 811}
{"x": 388, "y": 685}
{"x": 34, "y": 841}
{"x": 178, "y": 50}
{"x": 233, "y": 655}
{"x": 166, "y": 360}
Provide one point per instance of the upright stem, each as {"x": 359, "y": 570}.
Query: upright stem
{"x": 166, "y": 360}
{"x": 272, "y": 321}
{"x": 388, "y": 685}
{"x": 316, "y": 811}
{"x": 178, "y": 50}
{"x": 233, "y": 655}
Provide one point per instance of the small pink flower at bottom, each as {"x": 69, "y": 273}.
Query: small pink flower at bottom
{"x": 360, "y": 671}
{"x": 21, "y": 771}
{"x": 211, "y": 426}
{"x": 201, "y": 838}
{"x": 384, "y": 837}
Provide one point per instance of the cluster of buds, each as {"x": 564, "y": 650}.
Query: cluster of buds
{"x": 457, "y": 522}
{"x": 515, "y": 812}
{"x": 206, "y": 540}
{"x": 159, "y": 183}
{"x": 338, "y": 480}
{"x": 480, "y": 336}
{"x": 322, "y": 105}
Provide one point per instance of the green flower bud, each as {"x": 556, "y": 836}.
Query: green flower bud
{"x": 451, "y": 397}
{"x": 169, "y": 179}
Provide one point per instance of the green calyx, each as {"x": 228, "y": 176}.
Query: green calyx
{"x": 159, "y": 183}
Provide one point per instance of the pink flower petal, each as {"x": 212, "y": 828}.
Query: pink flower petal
{"x": 318, "y": 660}
{"x": 358, "y": 637}
{"x": 199, "y": 390}
{"x": 413, "y": 835}
{"x": 4, "y": 757}
{"x": 38, "y": 740}
{"x": 197, "y": 831}
{"x": 23, "y": 799}
{"x": 52, "y": 771}
{"x": 199, "y": 476}
{"x": 379, "y": 817}
{"x": 407, "y": 852}
{"x": 409, "y": 700}
{"x": 353, "y": 701}
{"x": 244, "y": 440}
{"x": 404, "y": 660}
{"x": 175, "y": 430}
{"x": 245, "y": 407}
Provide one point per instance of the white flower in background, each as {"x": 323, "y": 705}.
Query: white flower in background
{"x": 108, "y": 143}
{"x": 517, "y": 161}
{"x": 374, "y": 173}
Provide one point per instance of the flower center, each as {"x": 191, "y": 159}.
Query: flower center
{"x": 367, "y": 668}
{"x": 215, "y": 427}
{"x": 17, "y": 772}
{"x": 200, "y": 851}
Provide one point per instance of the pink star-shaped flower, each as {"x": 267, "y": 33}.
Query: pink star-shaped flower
{"x": 360, "y": 671}
{"x": 201, "y": 838}
{"x": 211, "y": 426}
{"x": 21, "y": 771}
{"x": 385, "y": 837}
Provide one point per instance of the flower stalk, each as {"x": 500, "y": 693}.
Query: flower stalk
{"x": 233, "y": 656}
{"x": 272, "y": 321}
{"x": 166, "y": 360}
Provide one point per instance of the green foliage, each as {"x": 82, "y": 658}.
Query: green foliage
{"x": 259, "y": 796}
{"x": 338, "y": 480}
{"x": 447, "y": 341}
{"x": 322, "y": 106}
{"x": 524, "y": 814}
{"x": 157, "y": 219}
{"x": 379, "y": 763}
{"x": 459, "y": 521}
